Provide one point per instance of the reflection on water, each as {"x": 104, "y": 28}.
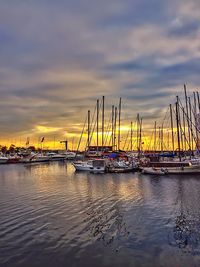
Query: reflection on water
{"x": 53, "y": 216}
{"x": 186, "y": 232}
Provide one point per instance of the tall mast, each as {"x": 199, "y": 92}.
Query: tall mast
{"x": 198, "y": 100}
{"x": 159, "y": 139}
{"x": 115, "y": 127}
{"x": 140, "y": 139}
{"x": 195, "y": 116}
{"x": 103, "y": 100}
{"x": 112, "y": 127}
{"x": 119, "y": 130}
{"x": 187, "y": 114}
{"x": 97, "y": 124}
{"x": 184, "y": 129}
{"x": 195, "y": 103}
{"x": 197, "y": 126}
{"x": 155, "y": 137}
{"x": 172, "y": 127}
{"x": 138, "y": 123}
{"x": 131, "y": 136}
{"x": 88, "y": 141}
{"x": 162, "y": 138}
{"x": 180, "y": 126}
{"x": 190, "y": 119}
{"x": 178, "y": 134}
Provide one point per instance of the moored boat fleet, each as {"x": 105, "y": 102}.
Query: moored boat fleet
{"x": 34, "y": 157}
{"x": 145, "y": 164}
{"x": 114, "y": 162}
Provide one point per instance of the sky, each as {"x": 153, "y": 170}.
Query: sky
{"x": 58, "y": 57}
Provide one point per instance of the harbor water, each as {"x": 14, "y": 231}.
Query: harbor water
{"x": 52, "y": 216}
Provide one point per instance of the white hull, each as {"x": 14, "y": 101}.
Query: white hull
{"x": 89, "y": 169}
{"x": 173, "y": 170}
{"x": 82, "y": 168}
{"x": 40, "y": 159}
{"x": 90, "y": 166}
{"x": 154, "y": 171}
{"x": 55, "y": 158}
{"x": 70, "y": 155}
{"x": 3, "y": 160}
{"x": 185, "y": 170}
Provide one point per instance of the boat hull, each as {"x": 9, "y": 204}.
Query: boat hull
{"x": 3, "y": 160}
{"x": 176, "y": 170}
{"x": 154, "y": 171}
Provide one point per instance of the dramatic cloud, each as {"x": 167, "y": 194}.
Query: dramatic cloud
{"x": 58, "y": 57}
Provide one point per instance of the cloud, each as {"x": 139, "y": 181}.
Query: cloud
{"x": 58, "y": 57}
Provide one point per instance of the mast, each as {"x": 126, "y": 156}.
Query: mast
{"x": 97, "y": 124}
{"x": 187, "y": 114}
{"x": 159, "y": 139}
{"x": 119, "y": 130}
{"x": 138, "y": 122}
{"x": 198, "y": 100}
{"x": 195, "y": 116}
{"x": 112, "y": 127}
{"x": 88, "y": 141}
{"x": 162, "y": 138}
{"x": 131, "y": 136}
{"x": 190, "y": 119}
{"x": 180, "y": 126}
{"x": 178, "y": 134}
{"x": 103, "y": 100}
{"x": 172, "y": 127}
{"x": 184, "y": 129}
{"x": 155, "y": 137}
{"x": 115, "y": 126}
{"x": 140, "y": 138}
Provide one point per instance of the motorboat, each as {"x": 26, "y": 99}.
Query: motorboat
{"x": 122, "y": 166}
{"x": 95, "y": 166}
{"x": 83, "y": 165}
{"x": 70, "y": 155}
{"x": 32, "y": 158}
{"x": 55, "y": 157}
{"x": 40, "y": 158}
{"x": 3, "y": 159}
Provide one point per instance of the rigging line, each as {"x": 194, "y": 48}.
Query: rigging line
{"x": 165, "y": 115}
{"x": 193, "y": 113}
{"x": 152, "y": 132}
{"x": 93, "y": 116}
{"x": 165, "y": 129}
{"x": 190, "y": 119}
{"x": 134, "y": 143}
{"x": 127, "y": 135}
{"x": 129, "y": 144}
{"x": 81, "y": 135}
{"x": 187, "y": 141}
{"x": 107, "y": 130}
{"x": 193, "y": 136}
{"x": 126, "y": 138}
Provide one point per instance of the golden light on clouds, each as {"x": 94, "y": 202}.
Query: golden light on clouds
{"x": 46, "y": 129}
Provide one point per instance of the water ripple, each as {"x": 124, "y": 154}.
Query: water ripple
{"x": 52, "y": 216}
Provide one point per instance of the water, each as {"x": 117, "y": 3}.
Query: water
{"x": 52, "y": 216}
